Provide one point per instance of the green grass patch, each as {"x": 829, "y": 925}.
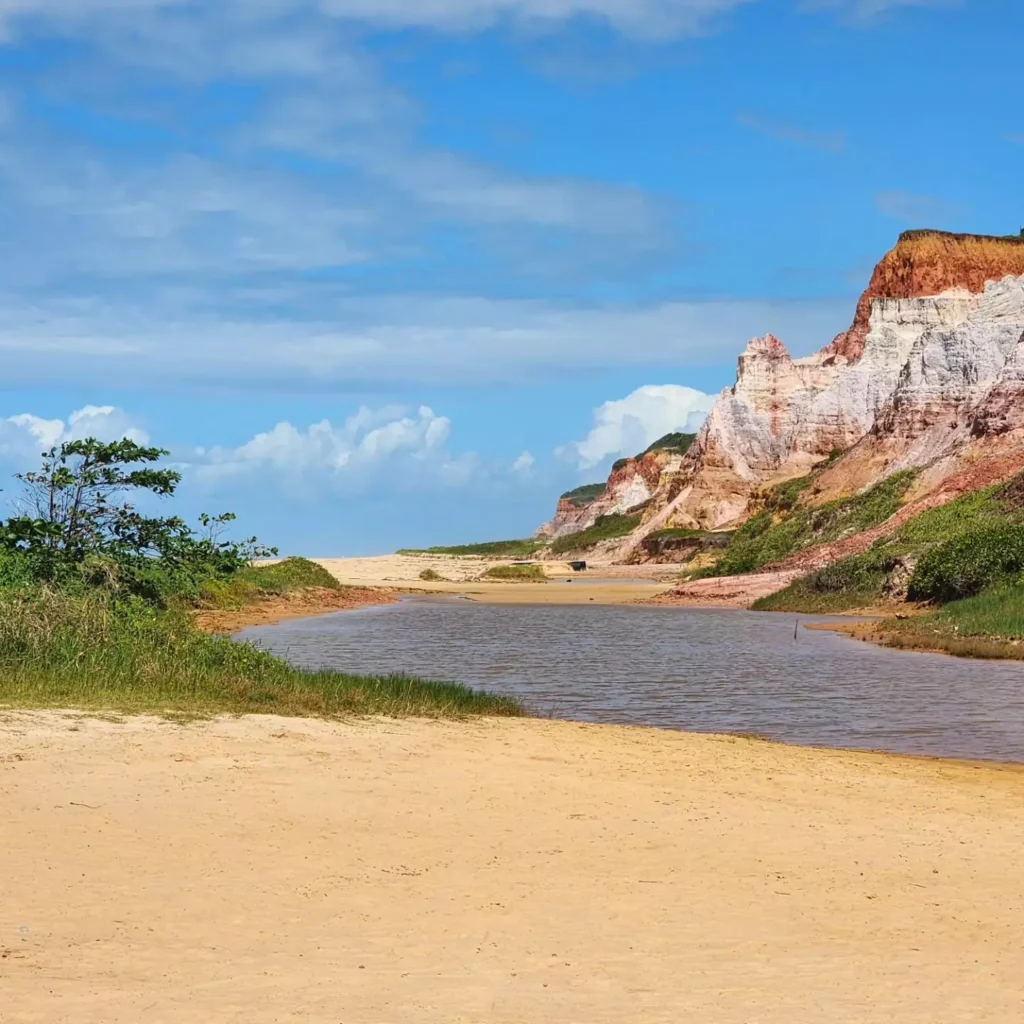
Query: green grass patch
{"x": 431, "y": 576}
{"x": 998, "y": 612}
{"x": 606, "y": 528}
{"x": 784, "y": 527}
{"x": 95, "y": 652}
{"x": 491, "y": 549}
{"x": 676, "y": 442}
{"x": 583, "y": 496}
{"x": 515, "y": 574}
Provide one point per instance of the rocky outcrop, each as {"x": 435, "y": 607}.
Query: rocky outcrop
{"x": 632, "y": 483}
{"x": 930, "y": 375}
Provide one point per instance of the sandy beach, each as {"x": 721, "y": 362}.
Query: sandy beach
{"x": 266, "y": 870}
{"x": 601, "y": 584}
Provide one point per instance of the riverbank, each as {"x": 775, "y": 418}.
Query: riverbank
{"x": 496, "y": 870}
{"x": 300, "y": 604}
{"x": 918, "y": 635}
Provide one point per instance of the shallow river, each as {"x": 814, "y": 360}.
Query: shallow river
{"x": 697, "y": 669}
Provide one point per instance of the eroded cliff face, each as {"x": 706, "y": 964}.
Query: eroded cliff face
{"x": 631, "y": 484}
{"x": 930, "y": 375}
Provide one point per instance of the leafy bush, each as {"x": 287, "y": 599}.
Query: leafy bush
{"x": 854, "y": 582}
{"x": 516, "y": 574}
{"x": 969, "y": 564}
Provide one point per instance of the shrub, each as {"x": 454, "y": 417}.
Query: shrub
{"x": 969, "y": 564}
{"x": 516, "y": 574}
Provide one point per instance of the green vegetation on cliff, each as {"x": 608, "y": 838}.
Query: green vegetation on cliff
{"x": 675, "y": 443}
{"x": 679, "y": 443}
{"x": 583, "y": 496}
{"x": 784, "y": 527}
{"x": 958, "y": 550}
{"x": 491, "y": 549}
{"x": 606, "y": 528}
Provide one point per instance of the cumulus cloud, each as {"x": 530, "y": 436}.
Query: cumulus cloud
{"x": 409, "y": 446}
{"x": 24, "y": 436}
{"x": 629, "y": 425}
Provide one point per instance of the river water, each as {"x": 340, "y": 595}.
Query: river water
{"x": 693, "y": 669}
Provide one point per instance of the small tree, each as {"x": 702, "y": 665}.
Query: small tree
{"x": 71, "y": 503}
{"x": 77, "y": 522}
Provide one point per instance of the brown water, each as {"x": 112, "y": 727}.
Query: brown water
{"x": 695, "y": 669}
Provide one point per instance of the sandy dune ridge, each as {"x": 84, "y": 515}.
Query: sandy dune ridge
{"x": 266, "y": 870}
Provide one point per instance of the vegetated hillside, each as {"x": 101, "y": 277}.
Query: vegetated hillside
{"x": 675, "y": 443}
{"x": 606, "y": 528}
{"x": 785, "y": 526}
{"x": 958, "y": 550}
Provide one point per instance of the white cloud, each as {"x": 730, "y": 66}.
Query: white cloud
{"x": 408, "y": 446}
{"x": 657, "y": 18}
{"x": 314, "y": 336}
{"x": 24, "y": 436}
{"x": 629, "y": 425}
{"x": 524, "y": 463}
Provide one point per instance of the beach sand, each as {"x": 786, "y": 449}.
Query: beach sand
{"x": 266, "y": 870}
{"x": 600, "y": 584}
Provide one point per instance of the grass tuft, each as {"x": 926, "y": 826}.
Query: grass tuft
{"x": 93, "y": 652}
{"x": 515, "y": 574}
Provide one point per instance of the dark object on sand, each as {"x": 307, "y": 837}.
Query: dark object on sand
{"x": 578, "y": 566}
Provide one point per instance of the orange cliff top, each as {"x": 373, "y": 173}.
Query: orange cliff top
{"x": 926, "y": 263}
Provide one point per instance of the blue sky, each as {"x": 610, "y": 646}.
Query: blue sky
{"x": 396, "y": 272}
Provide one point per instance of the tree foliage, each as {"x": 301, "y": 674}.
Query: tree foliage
{"x": 78, "y": 519}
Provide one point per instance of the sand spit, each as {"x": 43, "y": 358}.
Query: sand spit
{"x": 601, "y": 584}
{"x": 269, "y": 870}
